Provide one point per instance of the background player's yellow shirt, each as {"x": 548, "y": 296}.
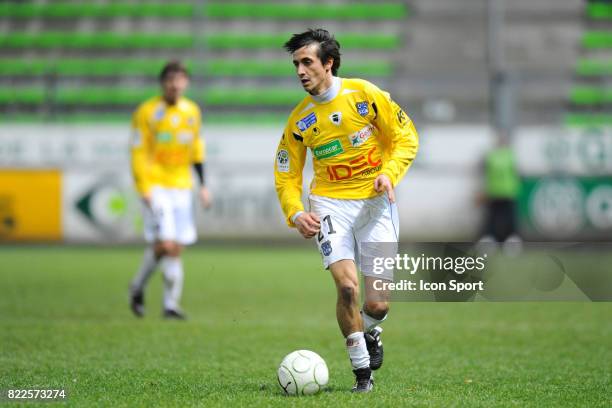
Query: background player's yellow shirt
{"x": 165, "y": 142}
{"x": 353, "y": 138}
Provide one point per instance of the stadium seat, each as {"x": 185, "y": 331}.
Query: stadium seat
{"x": 121, "y": 96}
{"x": 97, "y": 96}
{"x": 151, "y": 67}
{"x": 594, "y": 67}
{"x": 260, "y": 41}
{"x": 22, "y": 96}
{"x": 252, "y": 97}
{"x": 281, "y": 68}
{"x": 218, "y": 10}
{"x": 590, "y": 95}
{"x": 169, "y": 40}
{"x": 16, "y": 67}
{"x": 82, "y": 9}
{"x": 600, "y": 11}
{"x": 588, "y": 119}
{"x": 597, "y": 39}
{"x": 100, "y": 40}
{"x": 303, "y": 11}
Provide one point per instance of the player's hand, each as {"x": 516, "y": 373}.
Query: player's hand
{"x": 146, "y": 199}
{"x": 205, "y": 197}
{"x": 382, "y": 183}
{"x": 308, "y": 224}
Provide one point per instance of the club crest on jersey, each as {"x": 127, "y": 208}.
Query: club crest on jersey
{"x": 361, "y": 136}
{"x": 159, "y": 113}
{"x": 282, "y": 161}
{"x": 306, "y": 122}
{"x": 336, "y": 118}
{"x": 326, "y": 248}
{"x": 362, "y": 108}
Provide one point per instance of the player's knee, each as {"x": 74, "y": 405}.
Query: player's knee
{"x": 176, "y": 250}
{"x": 159, "y": 250}
{"x": 348, "y": 292}
{"x": 377, "y": 310}
{"x": 167, "y": 248}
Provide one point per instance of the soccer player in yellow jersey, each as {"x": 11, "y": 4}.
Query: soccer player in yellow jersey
{"x": 362, "y": 144}
{"x": 166, "y": 144}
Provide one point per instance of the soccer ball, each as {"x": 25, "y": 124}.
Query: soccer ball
{"x": 302, "y": 372}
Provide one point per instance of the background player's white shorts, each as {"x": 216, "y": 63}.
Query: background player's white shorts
{"x": 170, "y": 217}
{"x": 350, "y": 226}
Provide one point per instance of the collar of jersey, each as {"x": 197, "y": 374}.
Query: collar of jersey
{"x": 178, "y": 103}
{"x": 330, "y": 93}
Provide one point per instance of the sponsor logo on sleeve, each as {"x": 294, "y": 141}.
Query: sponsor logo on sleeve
{"x": 401, "y": 118}
{"x": 361, "y": 136}
{"x": 327, "y": 150}
{"x": 282, "y": 161}
{"x": 336, "y": 118}
{"x": 362, "y": 108}
{"x": 306, "y": 122}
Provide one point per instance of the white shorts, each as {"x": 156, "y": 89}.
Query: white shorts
{"x": 351, "y": 229}
{"x": 170, "y": 217}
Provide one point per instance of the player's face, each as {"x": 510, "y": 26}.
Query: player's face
{"x": 315, "y": 76}
{"x": 174, "y": 85}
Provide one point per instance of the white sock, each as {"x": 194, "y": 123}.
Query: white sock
{"x": 147, "y": 267}
{"x": 173, "y": 282}
{"x": 357, "y": 350}
{"x": 369, "y": 322}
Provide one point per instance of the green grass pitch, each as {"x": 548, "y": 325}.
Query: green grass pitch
{"x": 64, "y": 323}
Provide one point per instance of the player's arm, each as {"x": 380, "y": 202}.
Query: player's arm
{"x": 198, "y": 158}
{"x": 288, "y": 166}
{"x": 399, "y": 136}
{"x": 141, "y": 151}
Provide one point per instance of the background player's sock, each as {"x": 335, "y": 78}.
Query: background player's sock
{"x": 370, "y": 322}
{"x": 357, "y": 350}
{"x": 173, "y": 282}
{"x": 148, "y": 265}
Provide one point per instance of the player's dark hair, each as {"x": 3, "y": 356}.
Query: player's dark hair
{"x": 172, "y": 67}
{"x": 328, "y": 46}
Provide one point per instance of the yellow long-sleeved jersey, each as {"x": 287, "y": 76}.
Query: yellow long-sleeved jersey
{"x": 165, "y": 142}
{"x": 353, "y": 138}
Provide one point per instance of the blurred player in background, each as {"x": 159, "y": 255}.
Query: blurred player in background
{"x": 502, "y": 185}
{"x": 362, "y": 144}
{"x": 166, "y": 144}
